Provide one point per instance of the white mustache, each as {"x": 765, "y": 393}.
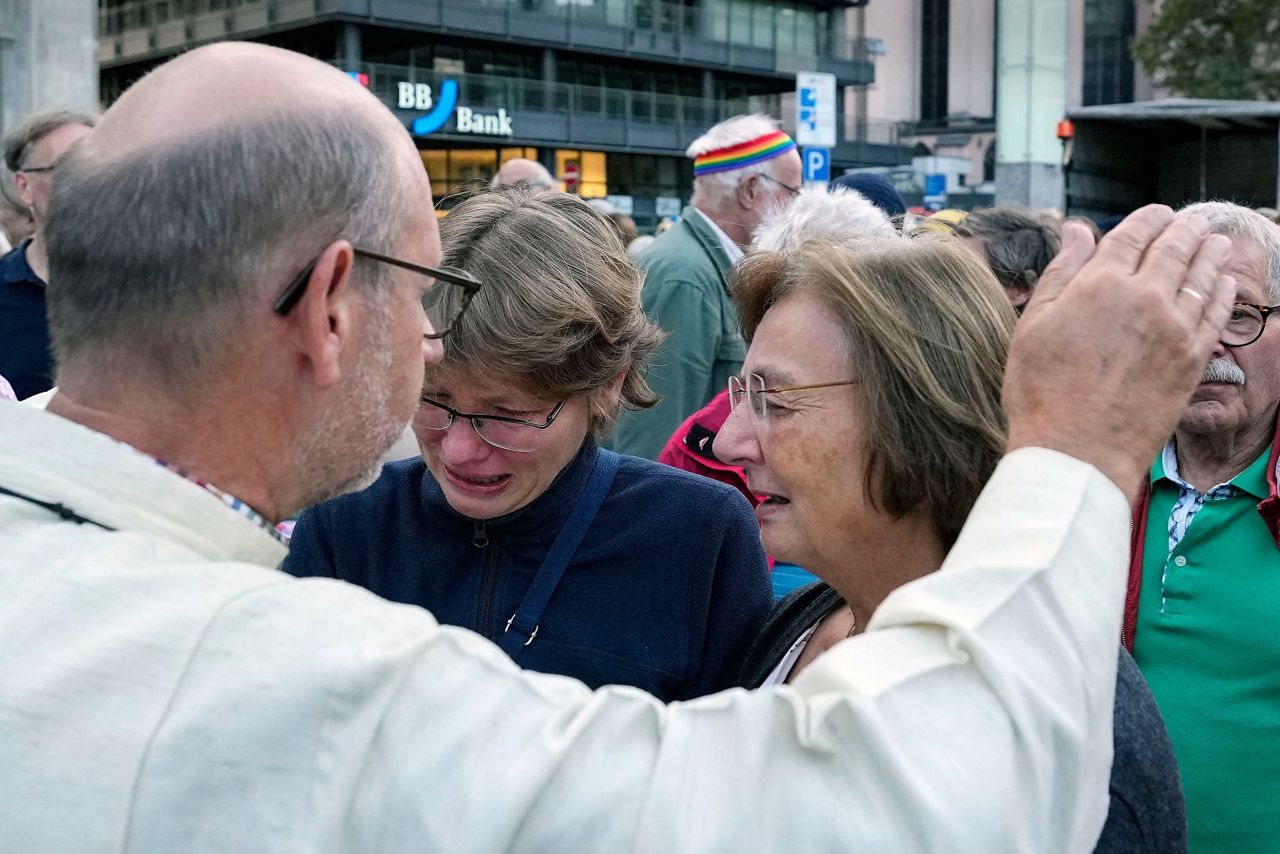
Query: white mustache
{"x": 1222, "y": 371}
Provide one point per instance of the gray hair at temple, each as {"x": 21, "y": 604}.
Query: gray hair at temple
{"x": 717, "y": 188}
{"x": 1241, "y": 223}
{"x": 159, "y": 258}
{"x": 840, "y": 216}
{"x": 18, "y": 142}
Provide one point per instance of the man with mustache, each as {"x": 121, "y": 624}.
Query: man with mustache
{"x": 1204, "y": 583}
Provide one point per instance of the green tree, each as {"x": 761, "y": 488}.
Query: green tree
{"x": 1214, "y": 48}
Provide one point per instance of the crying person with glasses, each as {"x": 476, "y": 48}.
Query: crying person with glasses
{"x": 514, "y": 523}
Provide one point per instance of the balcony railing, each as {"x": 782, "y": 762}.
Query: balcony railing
{"x": 752, "y": 34}
{"x": 580, "y": 104}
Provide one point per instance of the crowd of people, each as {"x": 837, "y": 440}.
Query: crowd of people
{"x": 228, "y": 626}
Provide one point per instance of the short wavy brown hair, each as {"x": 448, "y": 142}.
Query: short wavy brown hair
{"x": 559, "y": 307}
{"x": 927, "y": 331}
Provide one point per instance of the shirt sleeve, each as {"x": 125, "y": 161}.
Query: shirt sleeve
{"x": 973, "y": 715}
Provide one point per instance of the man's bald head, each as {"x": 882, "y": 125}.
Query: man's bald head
{"x": 519, "y": 170}
{"x": 210, "y": 87}
{"x": 207, "y": 186}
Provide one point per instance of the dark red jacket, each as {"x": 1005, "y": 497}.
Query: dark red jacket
{"x": 1268, "y": 509}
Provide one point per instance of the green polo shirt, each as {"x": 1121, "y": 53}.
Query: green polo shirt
{"x": 1208, "y": 641}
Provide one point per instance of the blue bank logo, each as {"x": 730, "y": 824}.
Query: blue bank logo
{"x": 440, "y": 112}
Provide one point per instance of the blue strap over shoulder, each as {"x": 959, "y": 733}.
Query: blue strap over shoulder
{"x": 522, "y": 628}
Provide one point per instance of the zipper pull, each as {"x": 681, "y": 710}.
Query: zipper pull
{"x": 480, "y": 539}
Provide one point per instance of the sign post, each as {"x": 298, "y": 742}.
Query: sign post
{"x": 815, "y": 109}
{"x": 817, "y": 166}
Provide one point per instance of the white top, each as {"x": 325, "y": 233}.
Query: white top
{"x": 733, "y": 250}
{"x": 779, "y": 674}
{"x": 166, "y": 689}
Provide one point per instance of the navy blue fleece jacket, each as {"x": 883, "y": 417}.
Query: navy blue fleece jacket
{"x": 666, "y": 592}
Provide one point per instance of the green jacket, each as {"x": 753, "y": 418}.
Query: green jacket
{"x": 685, "y": 293}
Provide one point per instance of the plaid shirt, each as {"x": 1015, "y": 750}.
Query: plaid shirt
{"x": 1189, "y": 500}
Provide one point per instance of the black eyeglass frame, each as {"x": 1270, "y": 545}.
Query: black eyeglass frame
{"x": 36, "y": 170}
{"x": 795, "y": 191}
{"x": 454, "y": 415}
{"x": 1265, "y": 311}
{"x": 293, "y": 292}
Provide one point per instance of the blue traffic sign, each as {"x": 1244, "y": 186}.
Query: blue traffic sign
{"x": 817, "y": 164}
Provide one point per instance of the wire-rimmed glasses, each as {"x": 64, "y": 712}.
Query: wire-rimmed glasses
{"x": 1246, "y": 323}
{"x": 501, "y": 431}
{"x": 442, "y": 306}
{"x": 795, "y": 191}
{"x": 757, "y": 393}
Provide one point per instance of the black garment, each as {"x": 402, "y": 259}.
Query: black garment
{"x": 665, "y": 593}
{"x": 26, "y": 359}
{"x": 1147, "y": 810}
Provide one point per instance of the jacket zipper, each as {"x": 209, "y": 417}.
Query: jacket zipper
{"x": 480, "y": 539}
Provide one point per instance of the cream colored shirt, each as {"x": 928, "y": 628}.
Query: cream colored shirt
{"x": 733, "y": 250}
{"x": 166, "y": 689}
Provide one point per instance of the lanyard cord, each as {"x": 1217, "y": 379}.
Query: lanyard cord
{"x": 60, "y": 509}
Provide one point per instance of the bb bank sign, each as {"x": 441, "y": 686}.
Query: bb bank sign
{"x": 421, "y": 96}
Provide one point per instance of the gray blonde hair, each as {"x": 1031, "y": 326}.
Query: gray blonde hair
{"x": 1243, "y": 223}
{"x": 560, "y": 306}
{"x": 18, "y": 142}
{"x": 929, "y": 355}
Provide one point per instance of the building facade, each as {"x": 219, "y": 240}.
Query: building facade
{"x": 936, "y": 75}
{"x": 46, "y": 58}
{"x": 606, "y": 93}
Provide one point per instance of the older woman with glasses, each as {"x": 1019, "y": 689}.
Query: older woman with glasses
{"x": 868, "y": 416}
{"x": 514, "y": 522}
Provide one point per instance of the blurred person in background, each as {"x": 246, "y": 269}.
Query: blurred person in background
{"x": 744, "y": 168}
{"x": 520, "y": 170}
{"x": 16, "y": 224}
{"x": 878, "y": 190}
{"x": 869, "y": 418}
{"x": 1204, "y": 586}
{"x": 1017, "y": 245}
{"x": 667, "y": 583}
{"x": 31, "y": 152}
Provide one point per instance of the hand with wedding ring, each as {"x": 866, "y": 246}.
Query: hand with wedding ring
{"x": 1115, "y": 340}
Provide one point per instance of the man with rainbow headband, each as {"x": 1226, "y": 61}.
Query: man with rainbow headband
{"x": 743, "y": 168}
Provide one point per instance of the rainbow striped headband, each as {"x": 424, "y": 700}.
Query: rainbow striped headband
{"x": 758, "y": 150}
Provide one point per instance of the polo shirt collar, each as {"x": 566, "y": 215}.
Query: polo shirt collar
{"x": 15, "y": 268}
{"x": 1252, "y": 480}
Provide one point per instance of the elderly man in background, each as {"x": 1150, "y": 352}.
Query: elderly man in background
{"x": 521, "y": 170}
{"x": 744, "y": 168}
{"x": 166, "y": 688}
{"x": 1205, "y": 579}
{"x": 31, "y": 152}
{"x": 1018, "y": 245}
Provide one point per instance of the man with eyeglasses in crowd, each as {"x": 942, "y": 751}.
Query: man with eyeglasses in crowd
{"x": 167, "y": 688}
{"x": 31, "y": 151}
{"x": 1204, "y": 587}
{"x": 744, "y": 168}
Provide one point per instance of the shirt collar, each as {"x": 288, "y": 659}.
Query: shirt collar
{"x": 1252, "y": 480}
{"x": 733, "y": 250}
{"x": 14, "y": 267}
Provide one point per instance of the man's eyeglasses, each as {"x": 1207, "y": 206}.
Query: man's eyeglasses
{"x": 1246, "y": 323}
{"x": 757, "y": 394}
{"x": 510, "y": 434}
{"x": 442, "y": 306}
{"x": 795, "y": 191}
{"x": 36, "y": 170}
